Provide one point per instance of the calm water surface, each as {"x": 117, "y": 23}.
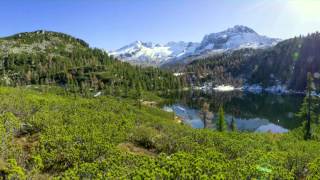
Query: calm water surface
{"x": 252, "y": 112}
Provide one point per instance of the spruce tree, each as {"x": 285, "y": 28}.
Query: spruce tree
{"x": 308, "y": 134}
{"x": 233, "y": 125}
{"x": 306, "y": 112}
{"x": 126, "y": 89}
{"x": 138, "y": 95}
{"x": 221, "y": 124}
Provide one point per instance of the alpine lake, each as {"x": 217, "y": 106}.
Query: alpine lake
{"x": 252, "y": 112}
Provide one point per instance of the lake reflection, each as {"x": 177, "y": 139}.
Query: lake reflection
{"x": 252, "y": 112}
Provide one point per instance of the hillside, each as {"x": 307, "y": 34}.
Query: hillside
{"x": 285, "y": 64}
{"x": 51, "y": 58}
{"x": 47, "y": 135}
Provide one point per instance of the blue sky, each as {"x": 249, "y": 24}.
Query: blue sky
{"x": 111, "y": 24}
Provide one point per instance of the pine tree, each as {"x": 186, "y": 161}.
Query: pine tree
{"x": 233, "y": 125}
{"x": 306, "y": 112}
{"x": 308, "y": 134}
{"x": 138, "y": 95}
{"x": 126, "y": 89}
{"x": 221, "y": 124}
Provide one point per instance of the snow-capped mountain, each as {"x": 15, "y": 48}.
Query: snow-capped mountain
{"x": 235, "y": 38}
{"x": 152, "y": 54}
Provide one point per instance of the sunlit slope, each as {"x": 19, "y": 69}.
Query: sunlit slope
{"x": 45, "y": 57}
{"x": 46, "y": 135}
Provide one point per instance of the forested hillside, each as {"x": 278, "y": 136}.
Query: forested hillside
{"x": 225, "y": 68}
{"x": 50, "y": 58}
{"x": 285, "y": 64}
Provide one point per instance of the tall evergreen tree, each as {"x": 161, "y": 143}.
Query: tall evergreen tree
{"x": 138, "y": 95}
{"x": 233, "y": 125}
{"x": 306, "y": 112}
{"x": 221, "y": 124}
{"x": 308, "y": 134}
{"x": 126, "y": 89}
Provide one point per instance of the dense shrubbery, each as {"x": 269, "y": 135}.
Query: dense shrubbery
{"x": 105, "y": 137}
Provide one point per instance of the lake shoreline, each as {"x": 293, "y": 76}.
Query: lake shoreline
{"x": 257, "y": 89}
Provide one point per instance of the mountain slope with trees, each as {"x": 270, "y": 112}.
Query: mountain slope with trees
{"x": 287, "y": 64}
{"x": 50, "y": 58}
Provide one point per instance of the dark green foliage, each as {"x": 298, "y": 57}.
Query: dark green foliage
{"x": 226, "y": 68}
{"x": 221, "y": 123}
{"x": 307, "y": 134}
{"x": 233, "y": 125}
{"x": 287, "y": 63}
{"x": 138, "y": 95}
{"x": 309, "y": 111}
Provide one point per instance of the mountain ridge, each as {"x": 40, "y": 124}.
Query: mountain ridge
{"x": 154, "y": 54}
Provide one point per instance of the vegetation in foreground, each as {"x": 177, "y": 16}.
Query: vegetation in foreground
{"x": 46, "y": 135}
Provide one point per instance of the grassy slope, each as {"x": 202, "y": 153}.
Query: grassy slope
{"x": 109, "y": 137}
